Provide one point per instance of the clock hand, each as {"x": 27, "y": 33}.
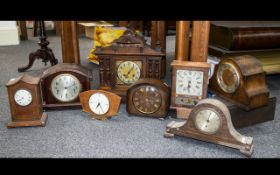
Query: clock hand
{"x": 101, "y": 108}
{"x": 129, "y": 71}
{"x": 97, "y": 105}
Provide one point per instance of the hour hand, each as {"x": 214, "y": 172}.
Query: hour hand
{"x": 97, "y": 105}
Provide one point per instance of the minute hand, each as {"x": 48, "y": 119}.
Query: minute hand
{"x": 129, "y": 71}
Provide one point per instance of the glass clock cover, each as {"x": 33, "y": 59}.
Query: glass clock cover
{"x": 99, "y": 103}
{"x": 66, "y": 87}
{"x": 23, "y": 97}
{"x": 207, "y": 121}
{"x": 228, "y": 77}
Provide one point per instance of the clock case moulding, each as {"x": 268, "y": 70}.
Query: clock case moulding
{"x": 129, "y": 47}
{"x": 114, "y": 101}
{"x": 32, "y": 114}
{"x": 83, "y": 74}
{"x": 164, "y": 91}
{"x": 226, "y": 135}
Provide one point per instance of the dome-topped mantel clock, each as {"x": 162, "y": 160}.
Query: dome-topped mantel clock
{"x": 127, "y": 60}
{"x": 61, "y": 85}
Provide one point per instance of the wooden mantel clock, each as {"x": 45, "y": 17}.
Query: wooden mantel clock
{"x": 148, "y": 97}
{"x": 189, "y": 85}
{"x": 242, "y": 81}
{"x": 127, "y": 60}
{"x": 25, "y": 102}
{"x": 61, "y": 85}
{"x": 210, "y": 121}
{"x": 100, "y": 104}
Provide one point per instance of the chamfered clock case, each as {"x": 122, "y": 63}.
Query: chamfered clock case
{"x": 78, "y": 72}
{"x": 148, "y": 99}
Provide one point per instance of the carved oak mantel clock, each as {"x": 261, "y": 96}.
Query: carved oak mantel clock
{"x": 242, "y": 81}
{"x": 127, "y": 60}
{"x": 148, "y": 97}
{"x": 62, "y": 84}
{"x": 100, "y": 104}
{"x": 189, "y": 85}
{"x": 210, "y": 121}
{"x": 25, "y": 102}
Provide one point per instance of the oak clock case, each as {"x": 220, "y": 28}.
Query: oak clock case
{"x": 149, "y": 98}
{"x": 189, "y": 83}
{"x": 61, "y": 85}
{"x": 210, "y": 121}
{"x": 126, "y": 61}
{"x": 100, "y": 104}
{"x": 25, "y": 102}
{"x": 242, "y": 81}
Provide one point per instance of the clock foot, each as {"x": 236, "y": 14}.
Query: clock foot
{"x": 247, "y": 151}
{"x": 40, "y": 122}
{"x": 168, "y": 135}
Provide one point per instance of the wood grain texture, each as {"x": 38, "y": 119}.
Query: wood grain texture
{"x": 252, "y": 91}
{"x": 32, "y": 113}
{"x": 160, "y": 87}
{"x": 70, "y": 42}
{"x": 182, "y": 40}
{"x": 114, "y": 100}
{"x": 200, "y": 39}
{"x": 83, "y": 75}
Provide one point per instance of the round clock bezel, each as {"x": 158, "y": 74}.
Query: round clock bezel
{"x": 228, "y": 89}
{"x": 75, "y": 78}
{"x": 28, "y": 92}
{"x": 107, "y": 100}
{"x": 142, "y": 111}
{"x": 121, "y": 79}
{"x": 211, "y": 108}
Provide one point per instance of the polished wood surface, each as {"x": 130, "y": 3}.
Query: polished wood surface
{"x": 200, "y": 39}
{"x": 70, "y": 42}
{"x": 32, "y": 114}
{"x": 148, "y": 104}
{"x": 252, "y": 91}
{"x": 114, "y": 100}
{"x": 80, "y": 72}
{"x": 182, "y": 40}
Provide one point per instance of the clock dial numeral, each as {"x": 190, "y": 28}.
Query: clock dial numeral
{"x": 128, "y": 72}
{"x": 99, "y": 103}
{"x": 147, "y": 99}
{"x": 23, "y": 97}
{"x": 65, "y": 87}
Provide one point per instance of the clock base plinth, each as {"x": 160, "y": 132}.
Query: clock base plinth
{"x": 183, "y": 113}
{"x": 62, "y": 106}
{"x": 40, "y": 122}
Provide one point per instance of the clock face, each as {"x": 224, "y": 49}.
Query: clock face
{"x": 228, "y": 77}
{"x": 23, "y": 97}
{"x": 99, "y": 103}
{"x": 147, "y": 99}
{"x": 66, "y": 87}
{"x": 207, "y": 121}
{"x": 189, "y": 82}
{"x": 128, "y": 72}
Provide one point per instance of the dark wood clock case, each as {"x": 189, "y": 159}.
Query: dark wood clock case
{"x": 129, "y": 47}
{"x": 82, "y": 73}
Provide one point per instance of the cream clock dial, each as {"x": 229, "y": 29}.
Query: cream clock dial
{"x": 23, "y": 97}
{"x": 207, "y": 121}
{"x": 189, "y": 82}
{"x": 66, "y": 87}
{"x": 128, "y": 72}
{"x": 99, "y": 103}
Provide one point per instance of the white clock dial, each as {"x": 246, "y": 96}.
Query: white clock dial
{"x": 66, "y": 87}
{"x": 23, "y": 97}
{"x": 207, "y": 121}
{"x": 189, "y": 82}
{"x": 128, "y": 72}
{"x": 99, "y": 103}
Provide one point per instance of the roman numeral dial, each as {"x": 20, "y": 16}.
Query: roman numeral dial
{"x": 128, "y": 72}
